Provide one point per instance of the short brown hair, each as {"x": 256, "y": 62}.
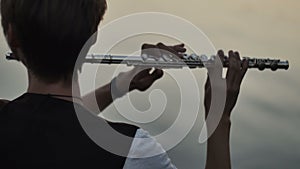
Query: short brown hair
{"x": 52, "y": 32}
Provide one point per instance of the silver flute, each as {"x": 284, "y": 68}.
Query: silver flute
{"x": 174, "y": 62}
{"x": 191, "y": 61}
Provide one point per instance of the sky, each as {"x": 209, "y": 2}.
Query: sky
{"x": 266, "y": 119}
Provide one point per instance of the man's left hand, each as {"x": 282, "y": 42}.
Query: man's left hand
{"x": 141, "y": 78}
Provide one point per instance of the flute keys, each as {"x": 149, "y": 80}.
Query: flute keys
{"x": 144, "y": 56}
{"x": 186, "y": 56}
{"x": 261, "y": 65}
{"x": 203, "y": 58}
{"x": 274, "y": 65}
{"x": 195, "y": 57}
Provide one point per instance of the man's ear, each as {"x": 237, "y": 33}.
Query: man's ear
{"x": 11, "y": 37}
{"x": 14, "y": 43}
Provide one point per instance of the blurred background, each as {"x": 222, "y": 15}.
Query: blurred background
{"x": 266, "y": 119}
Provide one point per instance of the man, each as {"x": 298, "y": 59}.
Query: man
{"x": 40, "y": 129}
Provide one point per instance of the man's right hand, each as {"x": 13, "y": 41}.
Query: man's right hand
{"x": 237, "y": 69}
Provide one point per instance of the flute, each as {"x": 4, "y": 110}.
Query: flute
{"x": 171, "y": 62}
{"x": 191, "y": 61}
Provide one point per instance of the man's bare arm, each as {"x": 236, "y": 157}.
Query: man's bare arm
{"x": 218, "y": 148}
{"x": 103, "y": 99}
{"x": 139, "y": 80}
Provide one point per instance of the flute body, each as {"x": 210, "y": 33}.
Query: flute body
{"x": 191, "y": 61}
{"x": 170, "y": 62}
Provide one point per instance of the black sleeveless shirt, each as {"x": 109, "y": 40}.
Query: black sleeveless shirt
{"x": 39, "y": 131}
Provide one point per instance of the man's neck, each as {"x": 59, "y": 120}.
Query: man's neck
{"x": 62, "y": 88}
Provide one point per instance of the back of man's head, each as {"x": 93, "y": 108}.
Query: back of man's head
{"x": 51, "y": 33}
